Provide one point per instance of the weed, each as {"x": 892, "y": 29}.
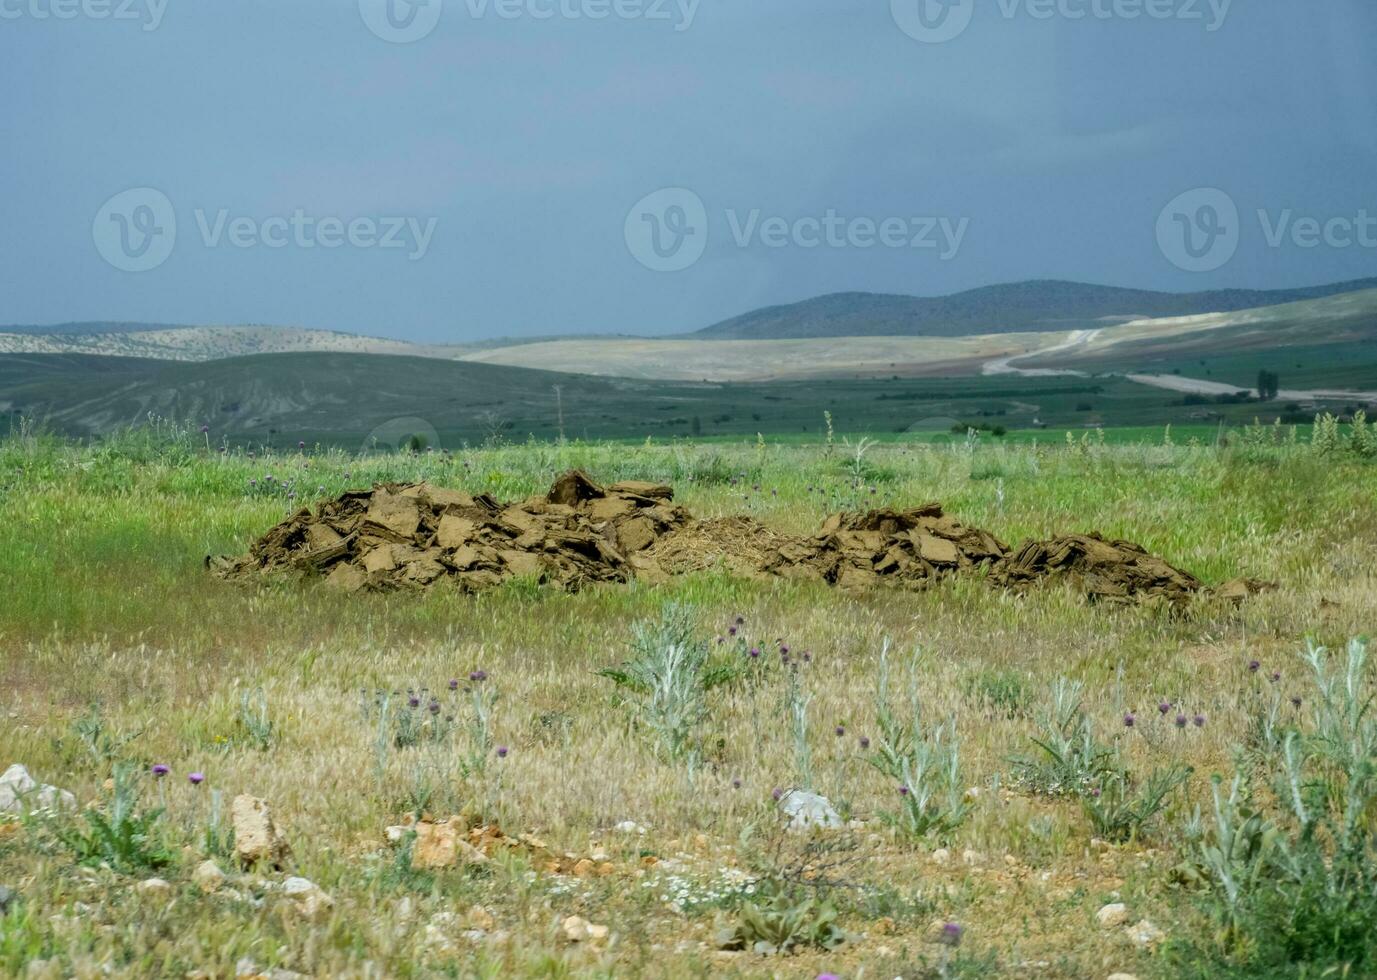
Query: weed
{"x": 123, "y": 838}
{"x": 923, "y": 760}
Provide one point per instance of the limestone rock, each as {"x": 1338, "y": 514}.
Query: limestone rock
{"x": 809, "y": 811}
{"x": 1115, "y": 914}
{"x": 20, "y": 792}
{"x": 257, "y": 839}
{"x": 1144, "y": 933}
{"x": 208, "y": 877}
{"x": 307, "y": 897}
{"x": 579, "y": 930}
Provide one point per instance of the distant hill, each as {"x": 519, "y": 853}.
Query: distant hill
{"x": 206, "y": 343}
{"x": 1037, "y": 306}
{"x": 86, "y": 327}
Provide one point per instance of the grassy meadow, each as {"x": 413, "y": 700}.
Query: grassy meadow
{"x": 119, "y": 652}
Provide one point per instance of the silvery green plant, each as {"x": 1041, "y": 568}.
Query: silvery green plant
{"x": 1071, "y": 759}
{"x": 1300, "y": 885}
{"x": 924, "y": 761}
{"x": 667, "y": 680}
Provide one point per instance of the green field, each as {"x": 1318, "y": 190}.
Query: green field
{"x": 118, "y": 652}
{"x": 1351, "y": 366}
{"x": 339, "y": 399}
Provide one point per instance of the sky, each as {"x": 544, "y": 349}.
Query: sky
{"x": 464, "y": 169}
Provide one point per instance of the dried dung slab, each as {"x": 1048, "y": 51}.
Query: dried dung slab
{"x": 414, "y": 536}
{"x": 399, "y": 536}
{"x": 1112, "y": 571}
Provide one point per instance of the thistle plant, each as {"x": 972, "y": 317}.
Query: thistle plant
{"x": 923, "y": 760}
{"x": 667, "y": 680}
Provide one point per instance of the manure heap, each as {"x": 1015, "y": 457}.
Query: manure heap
{"x": 417, "y": 536}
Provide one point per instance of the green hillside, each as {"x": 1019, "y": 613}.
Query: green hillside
{"x": 1014, "y": 307}
{"x": 340, "y": 398}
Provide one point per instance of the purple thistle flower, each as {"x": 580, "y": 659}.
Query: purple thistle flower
{"x": 784, "y": 649}
{"x": 903, "y": 791}
{"x": 731, "y": 630}
{"x": 865, "y": 741}
{"x": 1164, "y": 707}
{"x": 951, "y": 934}
{"x": 502, "y": 751}
{"x": 1199, "y": 721}
{"x": 740, "y": 620}
{"x": 778, "y": 794}
{"x": 434, "y": 707}
{"x": 196, "y": 778}
{"x": 454, "y": 685}
{"x": 160, "y": 770}
{"x": 478, "y": 676}
{"x": 1276, "y": 676}
{"x": 736, "y": 783}
{"x": 1130, "y": 720}
{"x": 1180, "y": 721}
{"x": 205, "y": 429}
{"x": 301, "y": 445}
{"x": 1253, "y": 666}
{"x": 827, "y": 976}
{"x": 414, "y": 701}
{"x": 841, "y": 731}
{"x": 755, "y": 653}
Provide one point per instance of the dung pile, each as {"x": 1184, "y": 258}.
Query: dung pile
{"x": 414, "y": 535}
{"x": 1113, "y": 571}
{"x": 399, "y": 536}
{"x": 908, "y": 548}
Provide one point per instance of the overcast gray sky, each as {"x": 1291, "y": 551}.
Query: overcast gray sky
{"x": 502, "y": 147}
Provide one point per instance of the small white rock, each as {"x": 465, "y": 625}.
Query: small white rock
{"x": 208, "y": 877}
{"x": 158, "y": 887}
{"x": 941, "y": 856}
{"x": 1115, "y": 914}
{"x": 309, "y": 899}
{"x": 21, "y": 792}
{"x": 1144, "y": 933}
{"x": 809, "y": 811}
{"x": 1121, "y": 976}
{"x": 577, "y": 929}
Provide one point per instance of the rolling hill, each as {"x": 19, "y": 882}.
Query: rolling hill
{"x": 339, "y": 399}
{"x": 205, "y": 343}
{"x": 1329, "y": 342}
{"x": 1037, "y": 306}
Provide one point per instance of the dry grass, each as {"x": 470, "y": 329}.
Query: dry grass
{"x": 108, "y": 606}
